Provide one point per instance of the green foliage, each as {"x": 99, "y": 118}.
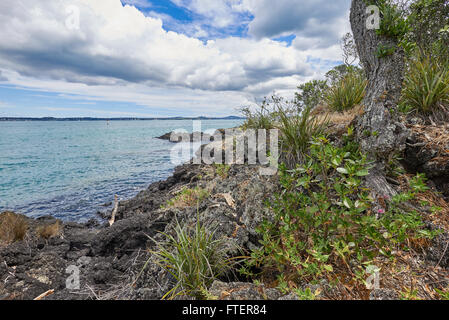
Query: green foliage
{"x": 311, "y": 93}
{"x": 195, "y": 259}
{"x": 426, "y": 85}
{"x": 305, "y": 294}
{"x": 188, "y": 197}
{"x": 444, "y": 294}
{"x": 222, "y": 170}
{"x": 429, "y": 22}
{"x": 296, "y": 130}
{"x": 339, "y": 72}
{"x": 322, "y": 217}
{"x": 261, "y": 118}
{"x": 347, "y": 93}
{"x": 385, "y": 50}
{"x": 294, "y": 120}
{"x": 393, "y": 23}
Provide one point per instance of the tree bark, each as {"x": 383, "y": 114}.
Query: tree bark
{"x": 378, "y": 130}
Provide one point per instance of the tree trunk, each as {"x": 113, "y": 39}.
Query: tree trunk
{"x": 378, "y": 130}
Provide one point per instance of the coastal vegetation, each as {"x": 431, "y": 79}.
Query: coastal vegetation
{"x": 361, "y": 191}
{"x": 13, "y": 227}
{"x": 426, "y": 87}
{"x": 187, "y": 198}
{"x": 195, "y": 258}
{"x": 326, "y": 223}
{"x": 347, "y": 93}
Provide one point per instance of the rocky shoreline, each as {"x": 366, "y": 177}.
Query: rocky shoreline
{"x": 111, "y": 259}
{"x": 114, "y": 262}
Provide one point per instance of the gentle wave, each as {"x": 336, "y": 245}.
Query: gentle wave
{"x": 71, "y": 169}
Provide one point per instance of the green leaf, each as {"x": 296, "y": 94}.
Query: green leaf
{"x": 347, "y": 203}
{"x": 343, "y": 170}
{"x": 313, "y": 210}
{"x": 328, "y": 267}
{"x": 336, "y": 162}
{"x": 362, "y": 173}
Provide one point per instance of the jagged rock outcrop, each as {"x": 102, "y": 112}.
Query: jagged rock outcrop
{"x": 111, "y": 258}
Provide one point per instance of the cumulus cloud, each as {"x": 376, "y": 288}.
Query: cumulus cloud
{"x": 319, "y": 20}
{"x": 116, "y": 44}
{"x": 121, "y": 53}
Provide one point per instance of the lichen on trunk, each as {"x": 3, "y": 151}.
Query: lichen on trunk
{"x": 378, "y": 129}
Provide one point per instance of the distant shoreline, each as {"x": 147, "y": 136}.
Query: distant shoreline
{"x": 115, "y": 119}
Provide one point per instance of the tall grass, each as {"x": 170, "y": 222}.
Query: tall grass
{"x": 13, "y": 227}
{"x": 195, "y": 258}
{"x": 296, "y": 122}
{"x": 426, "y": 86}
{"x": 297, "y": 127}
{"x": 260, "y": 118}
{"x": 347, "y": 93}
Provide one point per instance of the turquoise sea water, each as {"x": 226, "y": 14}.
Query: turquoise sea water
{"x": 71, "y": 169}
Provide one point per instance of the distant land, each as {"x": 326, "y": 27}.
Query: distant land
{"x": 114, "y": 119}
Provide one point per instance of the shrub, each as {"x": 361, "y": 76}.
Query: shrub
{"x": 195, "y": 259}
{"x": 426, "y": 86}
{"x": 347, "y": 93}
{"x": 322, "y": 218}
{"x": 428, "y": 26}
{"x": 13, "y": 227}
{"x": 260, "y": 118}
{"x": 339, "y": 72}
{"x": 296, "y": 122}
{"x": 311, "y": 93}
{"x": 393, "y": 22}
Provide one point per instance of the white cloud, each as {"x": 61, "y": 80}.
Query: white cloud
{"x": 120, "y": 54}
{"x": 171, "y": 100}
{"x": 322, "y": 20}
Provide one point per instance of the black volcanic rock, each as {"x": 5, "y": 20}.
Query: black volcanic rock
{"x": 185, "y": 137}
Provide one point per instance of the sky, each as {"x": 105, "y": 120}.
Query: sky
{"x": 161, "y": 58}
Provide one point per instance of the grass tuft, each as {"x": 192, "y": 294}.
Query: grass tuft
{"x": 188, "y": 197}
{"x": 49, "y": 231}
{"x": 347, "y": 93}
{"x": 195, "y": 258}
{"x": 13, "y": 227}
{"x": 297, "y": 128}
{"x": 426, "y": 86}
